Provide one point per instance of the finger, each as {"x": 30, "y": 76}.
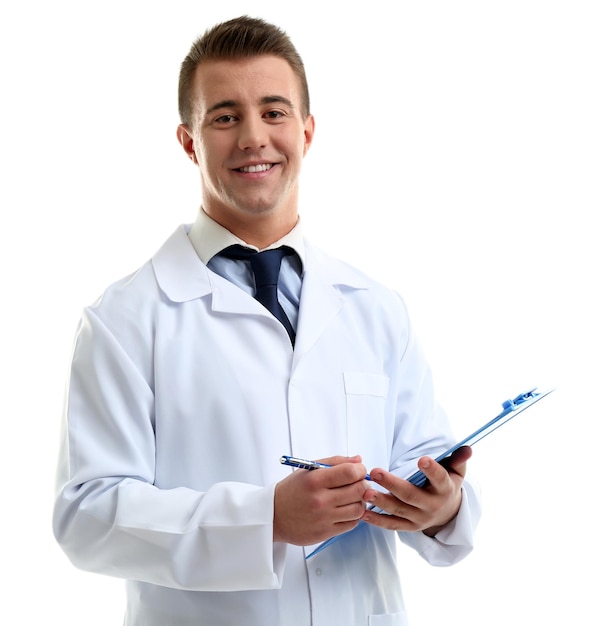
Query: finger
{"x": 453, "y": 467}
{"x": 438, "y": 474}
{"x": 455, "y": 464}
{"x": 458, "y": 460}
{"x": 352, "y": 512}
{"x": 339, "y": 475}
{"x": 392, "y": 505}
{"x": 388, "y": 521}
{"x": 401, "y": 488}
{"x": 338, "y": 459}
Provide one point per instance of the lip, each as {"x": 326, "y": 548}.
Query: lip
{"x": 255, "y": 164}
{"x": 261, "y": 173}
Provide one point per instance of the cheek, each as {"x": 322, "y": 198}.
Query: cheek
{"x": 209, "y": 157}
{"x": 210, "y": 176}
{"x": 210, "y": 148}
{"x": 294, "y": 147}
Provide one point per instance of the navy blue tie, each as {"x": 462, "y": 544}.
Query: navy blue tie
{"x": 265, "y": 266}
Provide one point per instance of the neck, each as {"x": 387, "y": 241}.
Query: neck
{"x": 261, "y": 231}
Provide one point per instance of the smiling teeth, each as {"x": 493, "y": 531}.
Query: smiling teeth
{"x": 256, "y": 168}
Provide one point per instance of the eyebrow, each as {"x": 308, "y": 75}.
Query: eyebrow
{"x": 225, "y": 104}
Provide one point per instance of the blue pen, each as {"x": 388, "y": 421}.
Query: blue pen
{"x": 307, "y": 465}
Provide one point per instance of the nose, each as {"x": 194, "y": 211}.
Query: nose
{"x": 253, "y": 134}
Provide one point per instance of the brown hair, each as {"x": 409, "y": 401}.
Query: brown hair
{"x": 238, "y": 38}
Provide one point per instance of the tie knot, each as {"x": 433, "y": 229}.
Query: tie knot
{"x": 265, "y": 265}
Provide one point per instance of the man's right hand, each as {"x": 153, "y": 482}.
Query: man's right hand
{"x": 313, "y": 506}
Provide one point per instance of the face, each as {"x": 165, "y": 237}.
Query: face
{"x": 249, "y": 139}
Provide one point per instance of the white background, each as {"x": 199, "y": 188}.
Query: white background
{"x": 458, "y": 157}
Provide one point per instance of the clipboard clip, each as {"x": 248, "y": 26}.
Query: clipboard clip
{"x": 512, "y": 405}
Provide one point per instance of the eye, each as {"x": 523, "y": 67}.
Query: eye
{"x": 225, "y": 119}
{"x": 274, "y": 114}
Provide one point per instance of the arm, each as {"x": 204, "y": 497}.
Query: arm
{"x": 110, "y": 517}
{"x": 437, "y": 521}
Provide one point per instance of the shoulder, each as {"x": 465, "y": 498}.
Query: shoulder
{"x": 347, "y": 276}
{"x": 143, "y": 290}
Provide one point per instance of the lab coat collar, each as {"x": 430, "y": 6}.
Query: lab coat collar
{"x": 182, "y": 276}
{"x": 180, "y": 273}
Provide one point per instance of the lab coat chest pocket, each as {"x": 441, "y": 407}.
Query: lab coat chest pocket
{"x": 366, "y": 420}
{"x": 390, "y": 619}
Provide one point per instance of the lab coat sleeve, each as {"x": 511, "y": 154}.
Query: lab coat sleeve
{"x": 110, "y": 518}
{"x": 427, "y": 431}
{"x": 455, "y": 541}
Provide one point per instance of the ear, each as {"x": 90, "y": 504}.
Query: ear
{"x": 186, "y": 141}
{"x": 308, "y": 133}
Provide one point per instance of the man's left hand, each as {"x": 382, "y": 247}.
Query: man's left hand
{"x": 410, "y": 508}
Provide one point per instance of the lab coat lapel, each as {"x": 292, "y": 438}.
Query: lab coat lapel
{"x": 320, "y": 303}
{"x": 229, "y": 298}
{"x": 322, "y": 297}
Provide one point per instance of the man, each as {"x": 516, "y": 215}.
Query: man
{"x": 185, "y": 391}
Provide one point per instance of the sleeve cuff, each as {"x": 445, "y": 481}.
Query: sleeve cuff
{"x": 455, "y": 541}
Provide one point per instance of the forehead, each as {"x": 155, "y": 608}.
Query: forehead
{"x": 245, "y": 81}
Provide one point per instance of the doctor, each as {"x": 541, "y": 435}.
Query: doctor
{"x": 185, "y": 390}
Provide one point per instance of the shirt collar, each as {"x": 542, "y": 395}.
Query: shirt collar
{"x": 208, "y": 238}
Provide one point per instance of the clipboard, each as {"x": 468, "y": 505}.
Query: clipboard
{"x": 511, "y": 408}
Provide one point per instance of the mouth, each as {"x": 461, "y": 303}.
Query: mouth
{"x": 253, "y": 169}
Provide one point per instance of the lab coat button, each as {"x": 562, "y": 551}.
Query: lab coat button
{"x": 318, "y": 571}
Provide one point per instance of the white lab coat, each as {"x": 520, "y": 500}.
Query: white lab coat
{"x": 184, "y": 393}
